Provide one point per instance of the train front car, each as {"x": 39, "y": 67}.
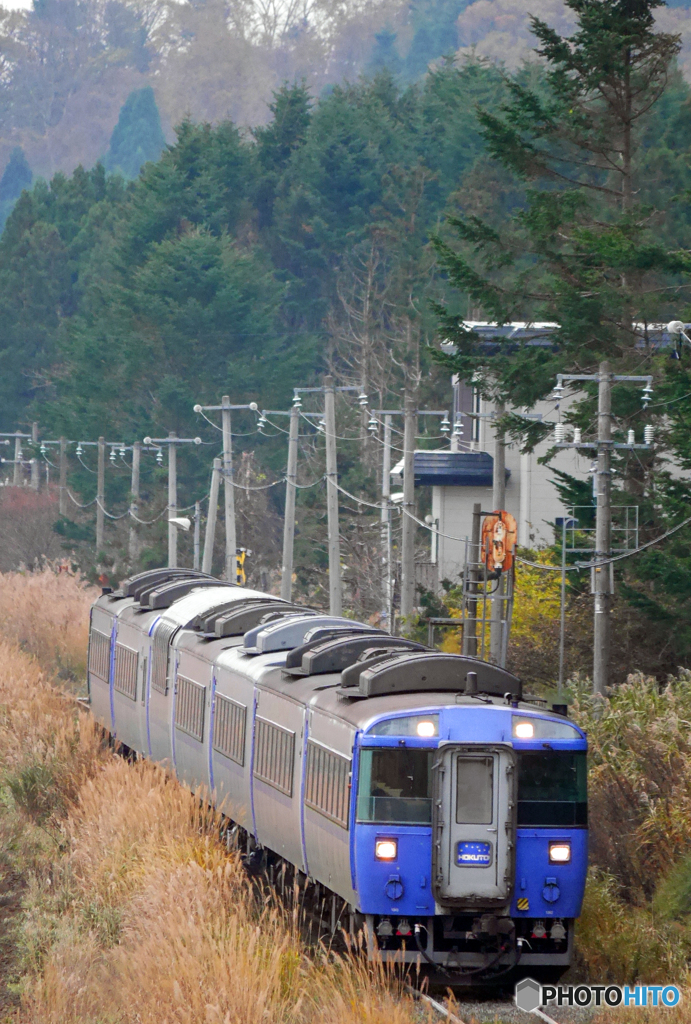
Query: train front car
{"x": 469, "y": 826}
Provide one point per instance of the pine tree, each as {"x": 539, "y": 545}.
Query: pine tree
{"x": 17, "y": 176}
{"x": 584, "y": 250}
{"x": 137, "y": 137}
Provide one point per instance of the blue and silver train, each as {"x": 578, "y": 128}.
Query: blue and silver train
{"x": 432, "y": 806}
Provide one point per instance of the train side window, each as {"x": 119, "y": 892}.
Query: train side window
{"x": 189, "y": 707}
{"x": 395, "y": 786}
{"x": 99, "y": 655}
{"x": 125, "y": 671}
{"x": 274, "y": 755}
{"x": 230, "y": 723}
{"x": 327, "y": 781}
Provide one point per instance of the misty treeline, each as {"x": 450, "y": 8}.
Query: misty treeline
{"x": 67, "y": 66}
{"x": 348, "y": 234}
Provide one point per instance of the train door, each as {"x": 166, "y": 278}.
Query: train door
{"x": 160, "y": 691}
{"x": 474, "y": 826}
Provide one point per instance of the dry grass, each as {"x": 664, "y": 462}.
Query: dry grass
{"x": 47, "y": 614}
{"x": 127, "y": 907}
{"x": 152, "y": 921}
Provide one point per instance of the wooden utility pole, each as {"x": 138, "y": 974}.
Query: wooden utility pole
{"x": 603, "y": 533}
{"x": 210, "y": 533}
{"x": 228, "y": 492}
{"x": 289, "y": 518}
{"x": 134, "y": 501}
{"x": 408, "y": 509}
{"x": 172, "y": 501}
{"x": 100, "y": 494}
{"x": 335, "y": 597}
{"x": 63, "y": 477}
{"x": 498, "y": 502}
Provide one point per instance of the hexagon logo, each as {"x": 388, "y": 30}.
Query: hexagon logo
{"x": 528, "y": 995}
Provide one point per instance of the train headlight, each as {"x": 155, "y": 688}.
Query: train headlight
{"x": 523, "y": 730}
{"x": 426, "y": 728}
{"x": 386, "y": 849}
{"x": 559, "y": 853}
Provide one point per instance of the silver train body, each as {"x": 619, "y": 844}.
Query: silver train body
{"x": 386, "y": 774}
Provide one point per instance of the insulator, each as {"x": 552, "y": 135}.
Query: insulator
{"x": 372, "y": 425}
{"x": 261, "y": 423}
{"x": 445, "y": 425}
{"x": 362, "y": 400}
{"x": 631, "y": 437}
{"x": 647, "y": 394}
{"x": 321, "y": 426}
{"x": 112, "y": 455}
{"x": 297, "y": 402}
{"x": 43, "y": 449}
{"x": 159, "y": 456}
{"x": 458, "y": 428}
{"x": 558, "y": 433}
{"x": 80, "y": 451}
{"x": 648, "y": 433}
{"x": 122, "y": 452}
{"x": 577, "y": 435}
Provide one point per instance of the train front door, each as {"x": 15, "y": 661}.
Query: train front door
{"x": 474, "y": 823}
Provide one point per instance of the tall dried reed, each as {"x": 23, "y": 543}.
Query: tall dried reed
{"x": 132, "y": 910}
{"x": 152, "y": 921}
{"x": 46, "y": 612}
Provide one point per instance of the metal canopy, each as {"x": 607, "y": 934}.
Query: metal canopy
{"x": 163, "y": 597}
{"x": 337, "y": 654}
{"x": 322, "y": 634}
{"x": 135, "y": 585}
{"x": 238, "y": 621}
{"x": 430, "y": 672}
{"x": 289, "y": 632}
{"x": 374, "y": 655}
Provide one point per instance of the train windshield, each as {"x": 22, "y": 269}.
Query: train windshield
{"x": 552, "y": 788}
{"x": 395, "y": 786}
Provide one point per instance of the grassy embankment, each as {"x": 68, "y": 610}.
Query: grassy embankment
{"x": 118, "y": 904}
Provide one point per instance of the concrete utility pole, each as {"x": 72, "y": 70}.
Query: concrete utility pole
{"x": 335, "y": 597}
{"x": 210, "y": 534}
{"x": 63, "y": 477}
{"x": 35, "y": 465}
{"x": 172, "y": 500}
{"x": 16, "y": 479}
{"x": 134, "y": 501}
{"x": 387, "y": 593}
{"x": 408, "y": 509}
{"x": 603, "y": 533}
{"x": 601, "y": 579}
{"x": 100, "y": 494}
{"x": 289, "y": 518}
{"x": 229, "y": 492}
{"x": 197, "y": 530}
{"x": 470, "y": 638}
{"x": 498, "y": 502}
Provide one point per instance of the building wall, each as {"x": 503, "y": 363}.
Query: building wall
{"x": 530, "y": 493}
